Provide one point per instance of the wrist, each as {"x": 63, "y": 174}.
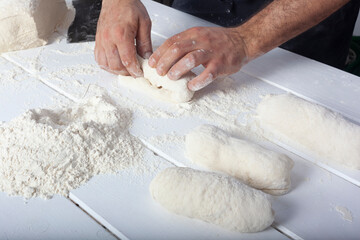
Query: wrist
{"x": 249, "y": 40}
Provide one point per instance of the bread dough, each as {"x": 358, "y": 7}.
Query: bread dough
{"x": 160, "y": 87}
{"x": 29, "y": 23}
{"x": 310, "y": 128}
{"x": 258, "y": 167}
{"x": 213, "y": 198}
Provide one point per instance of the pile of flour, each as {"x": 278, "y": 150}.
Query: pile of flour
{"x": 45, "y": 152}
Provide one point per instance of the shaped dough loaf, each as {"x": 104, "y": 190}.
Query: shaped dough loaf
{"x": 29, "y": 23}
{"x": 258, "y": 167}
{"x": 311, "y": 128}
{"x": 160, "y": 87}
{"x": 213, "y": 198}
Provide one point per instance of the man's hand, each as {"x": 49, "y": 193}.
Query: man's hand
{"x": 121, "y": 22}
{"x": 220, "y": 50}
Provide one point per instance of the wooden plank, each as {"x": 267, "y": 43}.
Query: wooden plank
{"x": 115, "y": 222}
{"x": 308, "y": 209}
{"x": 71, "y": 70}
{"x": 138, "y": 216}
{"x": 311, "y": 80}
{"x": 329, "y": 187}
{"x": 57, "y": 218}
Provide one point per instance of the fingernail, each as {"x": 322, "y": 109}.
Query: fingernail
{"x": 147, "y": 55}
{"x": 152, "y": 62}
{"x": 160, "y": 69}
{"x": 125, "y": 63}
{"x": 201, "y": 85}
{"x": 103, "y": 67}
{"x": 121, "y": 72}
{"x": 174, "y": 75}
{"x": 137, "y": 72}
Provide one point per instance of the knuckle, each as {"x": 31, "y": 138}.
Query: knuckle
{"x": 114, "y": 52}
{"x": 172, "y": 40}
{"x": 147, "y": 21}
{"x": 175, "y": 49}
{"x": 106, "y": 35}
{"x": 118, "y": 33}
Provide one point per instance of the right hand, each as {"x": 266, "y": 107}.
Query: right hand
{"x": 120, "y": 22}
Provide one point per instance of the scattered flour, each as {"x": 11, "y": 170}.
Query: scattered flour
{"x": 345, "y": 213}
{"x": 45, "y": 152}
{"x": 78, "y": 69}
{"x": 10, "y": 74}
{"x": 172, "y": 138}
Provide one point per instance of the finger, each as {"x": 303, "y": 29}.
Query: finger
{"x": 204, "y": 79}
{"x": 190, "y": 61}
{"x": 143, "y": 38}
{"x": 114, "y": 62}
{"x": 100, "y": 57}
{"x": 153, "y": 60}
{"x": 127, "y": 51}
{"x": 173, "y": 54}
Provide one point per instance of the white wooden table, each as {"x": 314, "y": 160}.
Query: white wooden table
{"x": 121, "y": 203}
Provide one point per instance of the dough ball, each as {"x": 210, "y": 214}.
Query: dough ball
{"x": 178, "y": 91}
{"x": 310, "y": 128}
{"x": 258, "y": 167}
{"x": 213, "y": 198}
{"x": 160, "y": 87}
{"x": 29, "y": 23}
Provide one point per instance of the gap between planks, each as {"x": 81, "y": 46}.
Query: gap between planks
{"x": 165, "y": 156}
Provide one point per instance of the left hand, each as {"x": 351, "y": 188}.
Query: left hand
{"x": 220, "y": 50}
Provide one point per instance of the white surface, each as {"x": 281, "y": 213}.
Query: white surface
{"x": 137, "y": 216}
{"x": 57, "y": 218}
{"x": 310, "y": 80}
{"x": 124, "y": 206}
{"x": 313, "y": 194}
{"x": 17, "y": 92}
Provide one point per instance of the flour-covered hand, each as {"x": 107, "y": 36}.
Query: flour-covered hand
{"x": 120, "y": 23}
{"x": 220, "y": 50}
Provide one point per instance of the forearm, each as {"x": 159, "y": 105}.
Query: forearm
{"x": 281, "y": 21}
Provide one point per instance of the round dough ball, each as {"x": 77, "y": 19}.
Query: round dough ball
{"x": 29, "y": 23}
{"x": 213, "y": 198}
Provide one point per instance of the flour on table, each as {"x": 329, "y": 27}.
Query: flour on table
{"x": 213, "y": 198}
{"x": 160, "y": 86}
{"x": 311, "y": 128}
{"x": 29, "y": 23}
{"x": 258, "y": 167}
{"x": 45, "y": 152}
{"x": 345, "y": 213}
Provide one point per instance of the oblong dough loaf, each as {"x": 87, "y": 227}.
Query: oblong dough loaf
{"x": 258, "y": 167}
{"x": 213, "y": 198}
{"x": 311, "y": 128}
